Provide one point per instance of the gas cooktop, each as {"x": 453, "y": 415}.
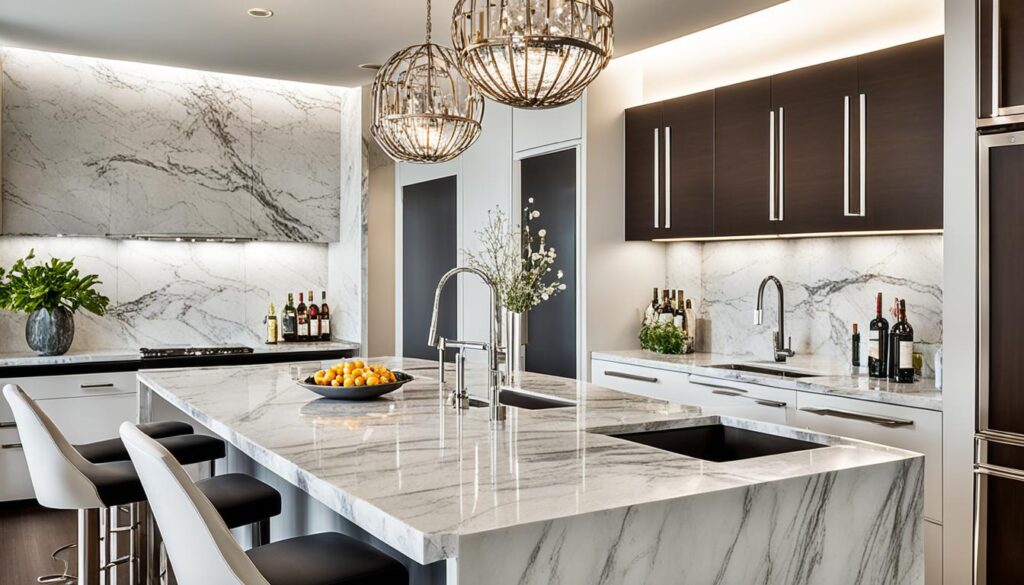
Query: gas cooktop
{"x": 174, "y": 352}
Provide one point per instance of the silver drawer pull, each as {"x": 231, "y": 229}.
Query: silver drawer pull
{"x": 998, "y": 471}
{"x": 723, "y": 387}
{"x": 11, "y": 446}
{"x": 885, "y": 421}
{"x": 761, "y": 401}
{"x": 8, "y": 425}
{"x": 101, "y": 385}
{"x": 625, "y": 376}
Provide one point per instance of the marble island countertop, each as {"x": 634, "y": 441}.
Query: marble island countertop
{"x": 831, "y": 377}
{"x": 429, "y": 481}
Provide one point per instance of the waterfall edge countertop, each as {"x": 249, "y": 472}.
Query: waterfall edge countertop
{"x": 423, "y": 478}
{"x": 834, "y": 378}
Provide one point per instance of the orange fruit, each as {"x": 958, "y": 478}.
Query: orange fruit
{"x": 334, "y": 382}
{"x": 349, "y": 382}
{"x": 360, "y": 381}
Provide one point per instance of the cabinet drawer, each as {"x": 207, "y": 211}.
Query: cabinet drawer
{"x": 642, "y": 381}
{"x": 897, "y": 426}
{"x": 762, "y": 403}
{"x": 78, "y": 385}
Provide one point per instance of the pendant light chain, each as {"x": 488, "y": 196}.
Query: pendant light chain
{"x": 430, "y": 23}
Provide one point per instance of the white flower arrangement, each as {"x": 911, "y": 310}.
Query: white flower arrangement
{"x": 509, "y": 258}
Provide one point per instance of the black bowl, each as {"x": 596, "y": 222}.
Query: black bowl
{"x": 356, "y": 392}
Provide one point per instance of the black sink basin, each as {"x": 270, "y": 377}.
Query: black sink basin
{"x": 719, "y": 442}
{"x": 524, "y": 400}
{"x": 763, "y": 370}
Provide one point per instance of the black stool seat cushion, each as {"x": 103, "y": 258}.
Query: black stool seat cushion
{"x": 241, "y": 499}
{"x": 116, "y": 483}
{"x": 328, "y": 558}
{"x": 187, "y": 449}
{"x": 167, "y": 428}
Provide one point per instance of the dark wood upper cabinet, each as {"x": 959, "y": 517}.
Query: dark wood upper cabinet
{"x": 689, "y": 136}
{"x": 813, "y": 107}
{"x": 644, "y": 187}
{"x": 902, "y": 95}
{"x": 743, "y": 159}
{"x": 1001, "y": 41}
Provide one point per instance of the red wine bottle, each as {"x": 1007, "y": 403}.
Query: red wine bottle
{"x": 325, "y": 318}
{"x": 302, "y": 320}
{"x": 903, "y": 337}
{"x": 877, "y": 339}
{"x": 314, "y": 319}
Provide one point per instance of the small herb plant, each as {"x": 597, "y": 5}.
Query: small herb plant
{"x": 516, "y": 261}
{"x": 28, "y": 287}
{"x": 663, "y": 338}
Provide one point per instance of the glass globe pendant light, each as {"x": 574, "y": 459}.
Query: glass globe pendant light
{"x": 423, "y": 110}
{"x": 533, "y": 53}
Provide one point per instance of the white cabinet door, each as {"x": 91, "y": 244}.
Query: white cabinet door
{"x": 642, "y": 381}
{"x": 932, "y": 553}
{"x": 897, "y": 426}
{"x": 753, "y": 401}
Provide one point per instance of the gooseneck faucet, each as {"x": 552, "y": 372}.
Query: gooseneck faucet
{"x": 781, "y": 351}
{"x": 492, "y": 347}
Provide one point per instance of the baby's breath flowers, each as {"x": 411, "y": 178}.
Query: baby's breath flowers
{"x": 518, "y": 263}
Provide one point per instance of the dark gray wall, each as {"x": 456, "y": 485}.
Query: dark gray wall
{"x": 429, "y": 249}
{"x": 550, "y": 180}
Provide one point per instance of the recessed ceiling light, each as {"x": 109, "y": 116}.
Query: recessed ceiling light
{"x": 260, "y": 12}
{"x": 371, "y": 66}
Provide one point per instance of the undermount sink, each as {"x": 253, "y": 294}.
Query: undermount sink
{"x": 718, "y": 442}
{"x": 525, "y": 400}
{"x": 763, "y": 370}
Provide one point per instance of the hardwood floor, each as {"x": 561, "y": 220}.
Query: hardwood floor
{"x": 28, "y": 535}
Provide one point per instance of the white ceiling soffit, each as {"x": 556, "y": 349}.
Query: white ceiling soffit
{"x": 317, "y": 41}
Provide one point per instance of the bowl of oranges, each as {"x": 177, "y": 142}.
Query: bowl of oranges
{"x": 354, "y": 380}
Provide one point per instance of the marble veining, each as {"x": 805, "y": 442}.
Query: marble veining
{"x": 830, "y": 283}
{"x": 178, "y": 293}
{"x": 437, "y": 485}
{"x": 95, "y": 147}
{"x": 833, "y": 377}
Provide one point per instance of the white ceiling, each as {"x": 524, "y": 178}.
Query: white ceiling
{"x": 319, "y": 41}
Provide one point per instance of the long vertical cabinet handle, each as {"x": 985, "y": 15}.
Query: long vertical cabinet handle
{"x": 996, "y": 81}
{"x": 782, "y": 165}
{"x": 657, "y": 179}
{"x": 668, "y": 177}
{"x": 863, "y": 155}
{"x": 846, "y": 156}
{"x": 771, "y": 166}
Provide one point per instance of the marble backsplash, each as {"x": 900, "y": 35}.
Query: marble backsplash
{"x": 169, "y": 293}
{"x": 95, "y": 147}
{"x": 829, "y": 284}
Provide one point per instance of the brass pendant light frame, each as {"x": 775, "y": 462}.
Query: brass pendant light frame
{"x": 533, "y": 53}
{"x": 423, "y": 109}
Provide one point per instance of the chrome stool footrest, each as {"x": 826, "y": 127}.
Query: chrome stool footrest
{"x": 63, "y": 577}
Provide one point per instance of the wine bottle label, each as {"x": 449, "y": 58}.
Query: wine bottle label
{"x": 303, "y": 329}
{"x": 874, "y": 351}
{"x": 665, "y": 318}
{"x": 906, "y": 355}
{"x": 678, "y": 321}
{"x": 325, "y": 327}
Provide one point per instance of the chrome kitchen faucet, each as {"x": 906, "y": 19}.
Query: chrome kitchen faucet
{"x": 780, "y": 350}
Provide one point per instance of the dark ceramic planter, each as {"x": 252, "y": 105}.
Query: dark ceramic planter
{"x": 50, "y": 332}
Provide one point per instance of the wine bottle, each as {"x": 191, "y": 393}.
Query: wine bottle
{"x": 665, "y": 308}
{"x": 679, "y": 311}
{"x": 289, "y": 329}
{"x": 314, "y": 319}
{"x": 325, "y": 318}
{"x": 302, "y": 320}
{"x": 903, "y": 338}
{"x": 877, "y": 340}
{"x": 691, "y": 327}
{"x": 891, "y": 347}
{"x": 651, "y": 312}
{"x": 271, "y": 320}
{"x": 856, "y": 346}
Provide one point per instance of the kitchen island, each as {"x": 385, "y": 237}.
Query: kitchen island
{"x": 552, "y": 497}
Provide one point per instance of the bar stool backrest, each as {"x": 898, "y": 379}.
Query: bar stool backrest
{"x": 56, "y": 469}
{"x": 199, "y": 544}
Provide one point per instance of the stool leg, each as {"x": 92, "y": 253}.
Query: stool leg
{"x": 106, "y": 544}
{"x": 89, "y": 547}
{"x": 261, "y": 533}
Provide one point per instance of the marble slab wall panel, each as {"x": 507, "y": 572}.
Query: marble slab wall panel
{"x": 842, "y": 528}
{"x": 92, "y": 147}
{"x": 170, "y": 293}
{"x": 830, "y": 283}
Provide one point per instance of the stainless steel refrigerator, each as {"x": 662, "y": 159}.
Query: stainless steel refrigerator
{"x": 999, "y": 442}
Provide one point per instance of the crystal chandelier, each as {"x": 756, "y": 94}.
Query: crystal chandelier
{"x": 533, "y": 53}
{"x": 423, "y": 109}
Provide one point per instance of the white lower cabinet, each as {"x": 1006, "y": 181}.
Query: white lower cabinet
{"x": 649, "y": 382}
{"x": 86, "y": 408}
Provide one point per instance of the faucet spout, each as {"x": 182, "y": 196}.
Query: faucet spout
{"x": 492, "y": 347}
{"x": 781, "y": 351}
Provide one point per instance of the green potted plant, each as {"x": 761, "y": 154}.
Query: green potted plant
{"x": 50, "y": 293}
